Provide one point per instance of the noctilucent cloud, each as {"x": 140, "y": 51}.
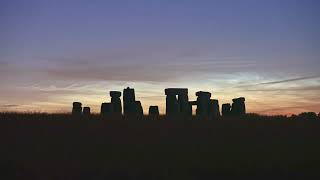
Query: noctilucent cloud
{"x": 55, "y": 52}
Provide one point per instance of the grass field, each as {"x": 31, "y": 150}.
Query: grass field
{"x": 60, "y": 146}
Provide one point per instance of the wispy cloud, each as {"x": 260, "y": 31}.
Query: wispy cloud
{"x": 306, "y": 88}
{"x": 303, "y": 79}
{"x": 10, "y": 105}
{"x": 168, "y": 70}
{"x": 290, "y": 80}
{"x": 53, "y": 84}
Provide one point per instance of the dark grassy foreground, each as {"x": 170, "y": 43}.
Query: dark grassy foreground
{"x": 41, "y": 146}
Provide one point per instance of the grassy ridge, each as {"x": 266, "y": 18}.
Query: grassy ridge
{"x": 60, "y": 146}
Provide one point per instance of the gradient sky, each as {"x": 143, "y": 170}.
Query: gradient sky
{"x": 59, "y": 51}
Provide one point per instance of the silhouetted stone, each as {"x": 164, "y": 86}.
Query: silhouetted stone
{"x": 139, "y": 109}
{"x": 183, "y": 101}
{"x": 116, "y": 101}
{"x": 203, "y": 101}
{"x": 129, "y": 102}
{"x": 86, "y": 111}
{"x": 177, "y": 105}
{"x": 153, "y": 112}
{"x": 77, "y": 108}
{"x": 214, "y": 112}
{"x": 132, "y": 108}
{"x": 238, "y": 106}
{"x": 176, "y": 91}
{"x": 115, "y": 94}
{"x": 193, "y": 103}
{"x": 172, "y": 105}
{"x": 106, "y": 109}
{"x": 226, "y": 109}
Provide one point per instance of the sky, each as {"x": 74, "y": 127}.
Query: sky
{"x": 53, "y": 53}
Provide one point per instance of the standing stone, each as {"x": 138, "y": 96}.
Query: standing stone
{"x": 214, "y": 112}
{"x": 185, "y": 108}
{"x": 106, "y": 109}
{"x": 129, "y": 102}
{"x": 242, "y": 105}
{"x": 86, "y": 111}
{"x": 238, "y": 106}
{"x": 177, "y": 102}
{"x": 116, "y": 101}
{"x": 153, "y": 112}
{"x": 203, "y": 101}
{"x": 77, "y": 108}
{"x": 226, "y": 109}
{"x": 172, "y": 105}
{"x": 138, "y": 109}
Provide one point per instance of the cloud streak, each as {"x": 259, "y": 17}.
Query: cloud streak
{"x": 290, "y": 80}
{"x": 10, "y": 105}
{"x": 306, "y": 88}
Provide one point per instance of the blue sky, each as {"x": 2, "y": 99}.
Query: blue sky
{"x": 56, "y": 52}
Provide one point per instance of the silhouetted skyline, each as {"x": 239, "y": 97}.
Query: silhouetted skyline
{"x": 177, "y": 105}
{"x": 56, "y": 52}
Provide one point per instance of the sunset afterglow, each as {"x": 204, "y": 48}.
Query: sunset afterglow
{"x": 53, "y": 53}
